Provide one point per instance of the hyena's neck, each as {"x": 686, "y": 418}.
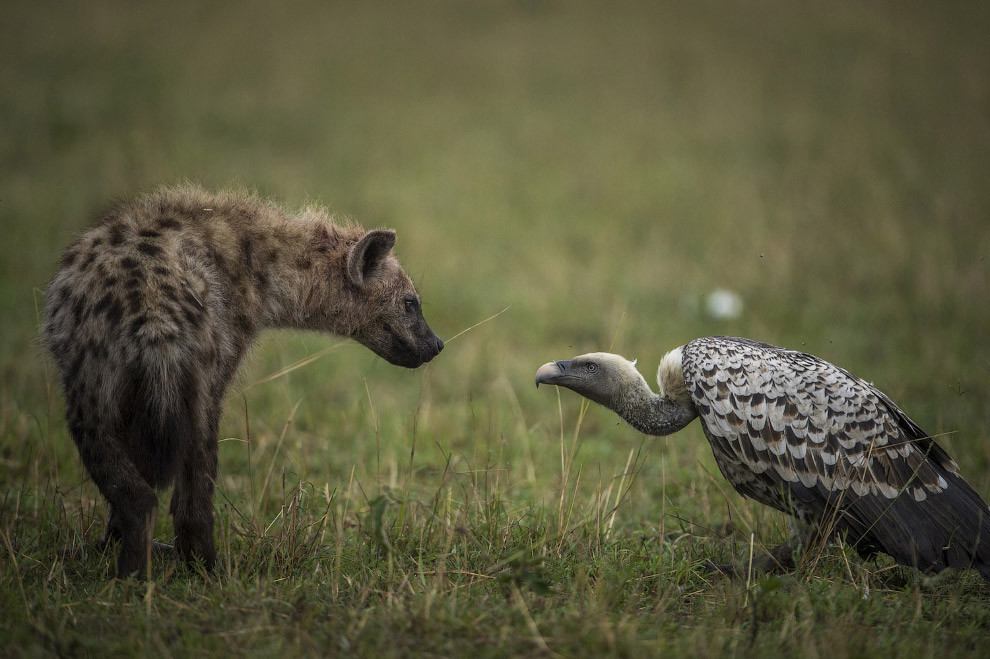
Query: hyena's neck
{"x": 293, "y": 272}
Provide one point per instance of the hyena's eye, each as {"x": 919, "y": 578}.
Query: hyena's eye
{"x": 411, "y": 303}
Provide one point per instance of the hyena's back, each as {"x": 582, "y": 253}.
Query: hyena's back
{"x": 147, "y": 319}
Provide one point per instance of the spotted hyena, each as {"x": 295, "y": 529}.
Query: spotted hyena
{"x": 151, "y": 311}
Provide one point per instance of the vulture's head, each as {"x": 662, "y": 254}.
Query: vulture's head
{"x": 602, "y": 377}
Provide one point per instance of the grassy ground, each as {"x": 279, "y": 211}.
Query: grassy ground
{"x": 595, "y": 171}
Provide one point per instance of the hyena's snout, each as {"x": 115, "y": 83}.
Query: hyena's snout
{"x": 408, "y": 347}
{"x": 433, "y": 347}
{"x": 428, "y": 344}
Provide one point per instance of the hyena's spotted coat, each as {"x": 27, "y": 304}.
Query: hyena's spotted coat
{"x": 151, "y": 311}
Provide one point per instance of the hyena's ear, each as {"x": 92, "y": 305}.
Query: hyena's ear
{"x": 366, "y": 256}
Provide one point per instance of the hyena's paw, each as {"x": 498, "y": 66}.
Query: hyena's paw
{"x": 129, "y": 564}
{"x": 197, "y": 547}
{"x": 135, "y": 539}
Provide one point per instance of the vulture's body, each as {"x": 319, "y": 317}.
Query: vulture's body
{"x": 808, "y": 438}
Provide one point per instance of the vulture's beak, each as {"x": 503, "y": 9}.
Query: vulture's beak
{"x": 551, "y": 371}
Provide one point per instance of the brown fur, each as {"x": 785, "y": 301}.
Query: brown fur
{"x": 152, "y": 310}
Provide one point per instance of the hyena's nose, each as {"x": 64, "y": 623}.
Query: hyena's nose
{"x": 437, "y": 344}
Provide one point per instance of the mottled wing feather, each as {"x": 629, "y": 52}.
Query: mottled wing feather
{"x": 806, "y": 437}
{"x": 804, "y": 420}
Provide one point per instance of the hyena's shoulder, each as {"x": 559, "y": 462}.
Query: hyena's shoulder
{"x": 147, "y": 264}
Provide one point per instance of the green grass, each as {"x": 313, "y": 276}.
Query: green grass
{"x": 597, "y": 171}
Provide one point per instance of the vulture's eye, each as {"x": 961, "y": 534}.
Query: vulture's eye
{"x": 592, "y": 367}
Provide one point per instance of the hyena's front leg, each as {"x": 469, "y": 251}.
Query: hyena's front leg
{"x": 192, "y": 500}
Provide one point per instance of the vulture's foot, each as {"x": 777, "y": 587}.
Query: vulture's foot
{"x": 720, "y": 569}
{"x": 779, "y": 560}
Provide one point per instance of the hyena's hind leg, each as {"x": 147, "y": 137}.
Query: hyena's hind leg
{"x": 192, "y": 499}
{"x": 133, "y": 503}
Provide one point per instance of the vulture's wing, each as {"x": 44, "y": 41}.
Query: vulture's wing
{"x": 804, "y": 436}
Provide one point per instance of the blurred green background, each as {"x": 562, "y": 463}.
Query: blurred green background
{"x": 597, "y": 168}
{"x": 576, "y": 162}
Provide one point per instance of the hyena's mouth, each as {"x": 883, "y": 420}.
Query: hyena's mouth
{"x": 409, "y": 352}
{"x": 402, "y": 352}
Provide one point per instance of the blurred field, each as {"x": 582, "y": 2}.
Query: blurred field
{"x": 595, "y": 168}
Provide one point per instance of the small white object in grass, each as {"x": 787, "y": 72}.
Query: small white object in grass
{"x": 723, "y": 303}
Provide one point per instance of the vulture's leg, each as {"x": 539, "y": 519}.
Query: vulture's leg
{"x": 783, "y": 557}
{"x": 780, "y": 559}
{"x": 720, "y": 569}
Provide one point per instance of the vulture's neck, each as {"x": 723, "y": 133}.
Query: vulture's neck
{"x": 658, "y": 414}
{"x": 654, "y": 414}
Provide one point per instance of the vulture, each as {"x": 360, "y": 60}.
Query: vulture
{"x": 805, "y": 437}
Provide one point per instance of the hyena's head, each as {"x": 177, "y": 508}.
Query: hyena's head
{"x": 390, "y": 321}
